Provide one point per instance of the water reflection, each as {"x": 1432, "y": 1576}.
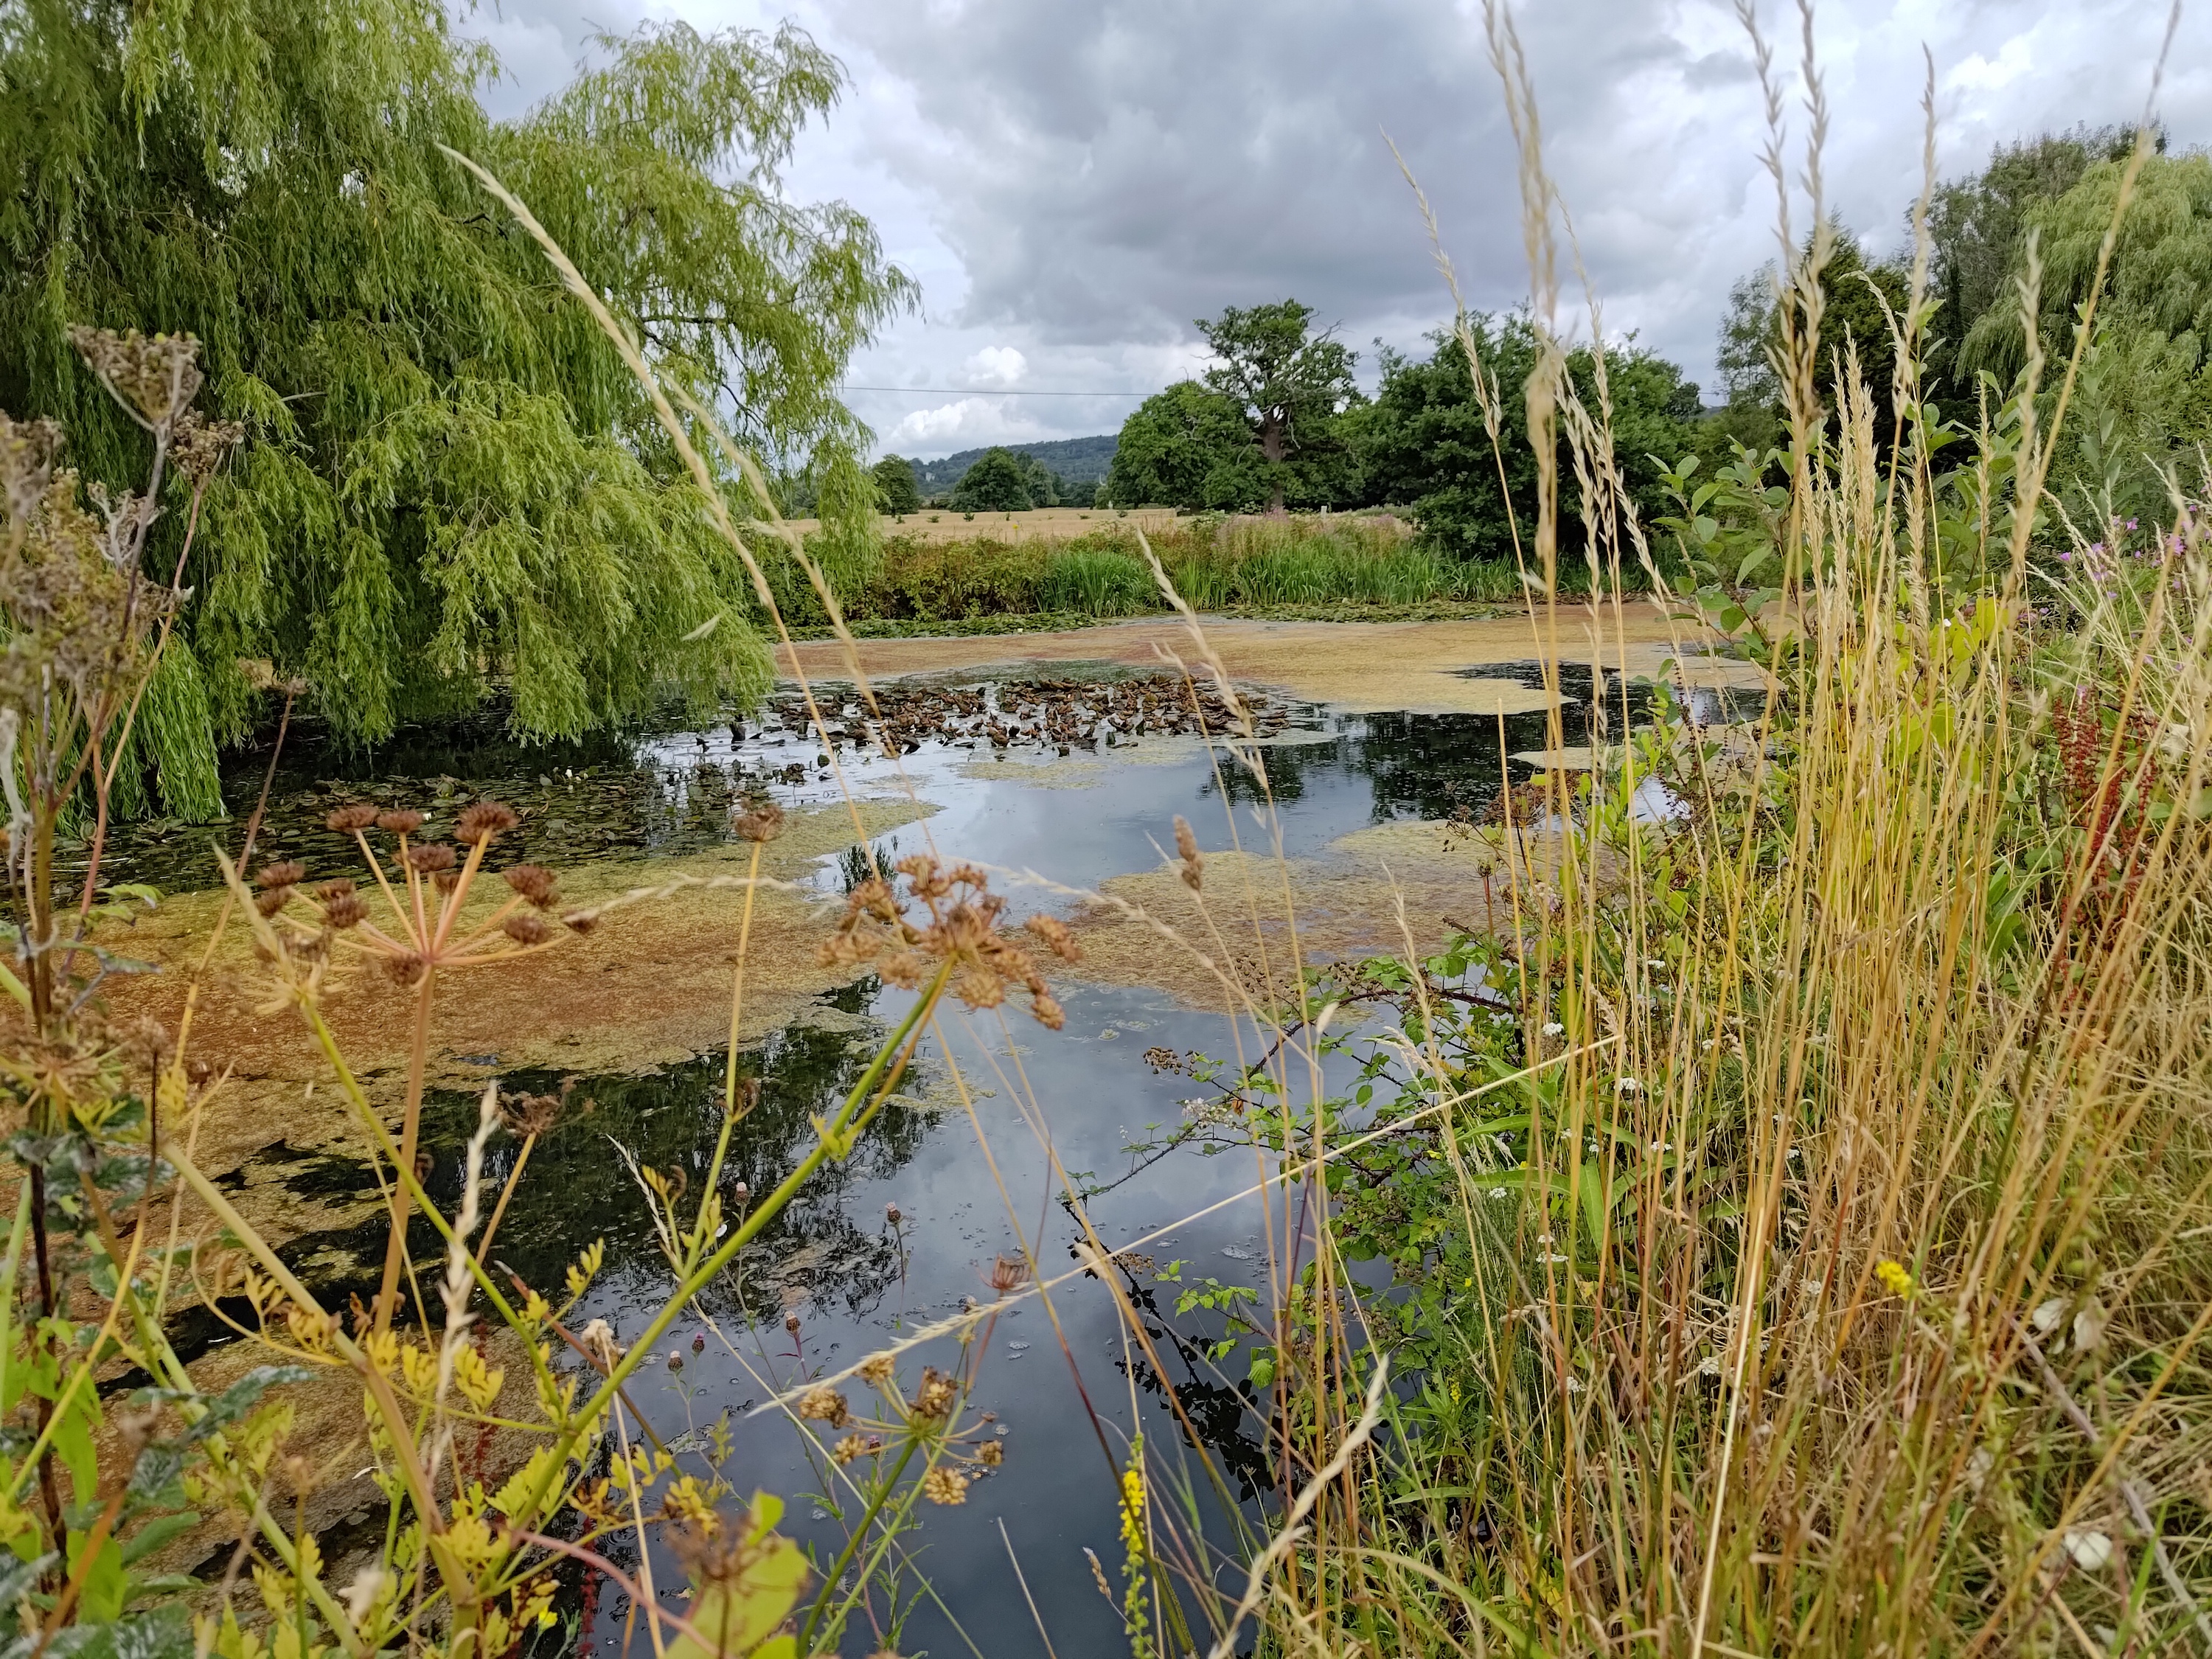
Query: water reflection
{"x": 831, "y": 1257}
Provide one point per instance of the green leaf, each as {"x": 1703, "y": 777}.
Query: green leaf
{"x": 736, "y": 1614}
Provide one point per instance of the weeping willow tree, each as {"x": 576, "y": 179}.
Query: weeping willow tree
{"x": 449, "y": 479}
{"x": 2142, "y": 409}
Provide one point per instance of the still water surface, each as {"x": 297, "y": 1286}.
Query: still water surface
{"x": 1066, "y": 1388}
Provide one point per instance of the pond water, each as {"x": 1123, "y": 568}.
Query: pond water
{"x": 1067, "y": 1396}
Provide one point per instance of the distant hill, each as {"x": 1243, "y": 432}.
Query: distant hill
{"x": 1074, "y": 460}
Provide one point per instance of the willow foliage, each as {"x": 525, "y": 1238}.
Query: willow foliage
{"x": 2144, "y": 403}
{"x": 449, "y": 475}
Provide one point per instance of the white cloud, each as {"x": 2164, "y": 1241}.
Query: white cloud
{"x": 964, "y": 424}
{"x": 997, "y": 365}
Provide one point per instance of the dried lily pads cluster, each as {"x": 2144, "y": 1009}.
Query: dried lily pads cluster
{"x": 1048, "y": 714}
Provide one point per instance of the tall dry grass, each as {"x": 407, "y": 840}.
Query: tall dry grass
{"x": 1817, "y": 1253}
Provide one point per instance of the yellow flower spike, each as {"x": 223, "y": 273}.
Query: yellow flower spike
{"x": 1896, "y": 1280}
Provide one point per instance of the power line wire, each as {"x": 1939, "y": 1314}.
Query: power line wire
{"x": 980, "y": 392}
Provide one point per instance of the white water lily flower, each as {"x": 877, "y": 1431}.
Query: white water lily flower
{"x": 2091, "y": 1550}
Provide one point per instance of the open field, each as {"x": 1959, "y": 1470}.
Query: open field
{"x": 941, "y": 524}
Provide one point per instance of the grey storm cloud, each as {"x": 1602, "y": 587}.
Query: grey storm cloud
{"x": 1123, "y": 167}
{"x": 1075, "y": 182}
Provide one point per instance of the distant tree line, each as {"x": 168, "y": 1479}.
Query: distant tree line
{"x": 1280, "y": 422}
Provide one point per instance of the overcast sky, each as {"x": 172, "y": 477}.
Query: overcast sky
{"x": 1073, "y": 182}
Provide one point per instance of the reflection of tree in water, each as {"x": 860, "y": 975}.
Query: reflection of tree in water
{"x": 1435, "y": 766}
{"x": 576, "y": 1187}
{"x": 1225, "y": 1416}
{"x": 605, "y": 793}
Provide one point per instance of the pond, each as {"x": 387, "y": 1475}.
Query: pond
{"x": 969, "y": 1181}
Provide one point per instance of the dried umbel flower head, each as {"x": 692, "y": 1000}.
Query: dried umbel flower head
{"x": 341, "y": 906}
{"x": 825, "y": 1404}
{"x": 352, "y": 820}
{"x": 270, "y": 902}
{"x": 430, "y": 856}
{"x": 287, "y": 873}
{"x": 534, "y": 882}
{"x": 155, "y": 377}
{"x": 961, "y": 939}
{"x": 877, "y": 1369}
{"x": 28, "y": 451}
{"x": 198, "y": 446}
{"x": 1007, "y": 1274}
{"x": 484, "y": 822}
{"x": 400, "y": 821}
{"x": 527, "y": 929}
{"x": 943, "y": 1486}
{"x": 934, "y": 1397}
{"x": 525, "y": 1115}
{"x": 760, "y": 821}
{"x": 846, "y": 1450}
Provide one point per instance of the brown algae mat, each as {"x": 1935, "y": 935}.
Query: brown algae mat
{"x": 1362, "y": 668}
{"x": 1235, "y": 937}
{"x": 649, "y": 986}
